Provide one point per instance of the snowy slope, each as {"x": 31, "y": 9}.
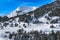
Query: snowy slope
{"x": 41, "y": 26}
{"x": 1, "y": 38}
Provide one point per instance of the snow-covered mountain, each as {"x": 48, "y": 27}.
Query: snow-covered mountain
{"x": 47, "y": 14}
{"x": 31, "y": 19}
{"x": 21, "y": 11}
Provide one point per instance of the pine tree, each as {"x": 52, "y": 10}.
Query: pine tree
{"x": 10, "y": 36}
{"x": 36, "y": 35}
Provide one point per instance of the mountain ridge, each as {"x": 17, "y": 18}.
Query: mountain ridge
{"x": 37, "y": 12}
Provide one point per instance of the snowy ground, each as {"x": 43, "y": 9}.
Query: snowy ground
{"x": 1, "y": 38}
{"x": 44, "y": 27}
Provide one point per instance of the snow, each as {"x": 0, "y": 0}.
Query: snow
{"x": 44, "y": 27}
{"x": 22, "y": 10}
{"x": 34, "y": 8}
{"x": 55, "y": 17}
{"x": 1, "y": 38}
{"x": 31, "y": 27}
{"x": 43, "y": 19}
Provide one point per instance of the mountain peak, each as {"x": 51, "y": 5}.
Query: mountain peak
{"x": 21, "y": 11}
{"x": 34, "y": 7}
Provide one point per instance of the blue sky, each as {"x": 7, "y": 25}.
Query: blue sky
{"x": 7, "y": 6}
